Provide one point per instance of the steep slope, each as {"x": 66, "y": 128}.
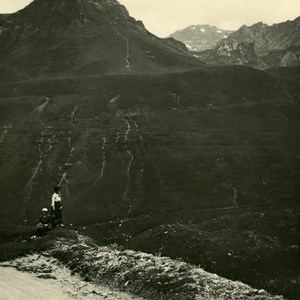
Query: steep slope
{"x": 260, "y": 46}
{"x": 86, "y": 271}
{"x": 133, "y": 145}
{"x": 200, "y": 37}
{"x": 3, "y": 17}
{"x": 80, "y": 37}
{"x": 118, "y": 119}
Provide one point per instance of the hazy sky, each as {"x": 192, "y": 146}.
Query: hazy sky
{"x": 163, "y": 17}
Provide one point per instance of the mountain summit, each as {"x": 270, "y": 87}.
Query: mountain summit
{"x": 200, "y": 37}
{"x": 82, "y": 37}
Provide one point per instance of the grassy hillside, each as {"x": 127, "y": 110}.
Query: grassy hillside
{"x": 127, "y": 145}
{"x": 138, "y": 273}
{"x": 200, "y": 165}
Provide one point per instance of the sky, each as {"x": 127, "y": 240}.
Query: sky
{"x": 163, "y": 17}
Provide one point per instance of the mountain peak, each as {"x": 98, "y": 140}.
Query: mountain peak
{"x": 259, "y": 24}
{"x": 50, "y": 37}
{"x": 45, "y": 11}
{"x": 260, "y": 45}
{"x": 200, "y": 37}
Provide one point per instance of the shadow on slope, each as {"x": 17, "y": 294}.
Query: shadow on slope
{"x": 132, "y": 145}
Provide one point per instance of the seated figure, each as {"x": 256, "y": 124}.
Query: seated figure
{"x": 44, "y": 221}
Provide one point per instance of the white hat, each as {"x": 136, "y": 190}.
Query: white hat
{"x": 45, "y": 209}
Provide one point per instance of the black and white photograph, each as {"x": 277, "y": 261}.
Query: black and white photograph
{"x": 149, "y": 149}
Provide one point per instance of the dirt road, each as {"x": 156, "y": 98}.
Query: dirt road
{"x": 42, "y": 283}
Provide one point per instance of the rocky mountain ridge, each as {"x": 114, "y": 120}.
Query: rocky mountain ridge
{"x": 76, "y": 37}
{"x": 260, "y": 46}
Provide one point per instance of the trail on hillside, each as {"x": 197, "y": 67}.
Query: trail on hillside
{"x": 127, "y": 54}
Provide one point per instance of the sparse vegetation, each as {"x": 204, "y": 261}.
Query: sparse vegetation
{"x": 257, "y": 246}
{"x": 154, "y": 152}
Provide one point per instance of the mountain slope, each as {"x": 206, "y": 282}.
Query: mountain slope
{"x": 3, "y": 17}
{"x": 137, "y": 138}
{"x": 260, "y": 46}
{"x": 89, "y": 271}
{"x": 82, "y": 37}
{"x": 200, "y": 37}
{"x": 168, "y": 143}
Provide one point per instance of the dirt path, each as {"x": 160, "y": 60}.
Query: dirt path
{"x": 17, "y": 285}
{"x": 38, "y": 277}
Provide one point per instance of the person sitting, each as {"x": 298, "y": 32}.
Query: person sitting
{"x": 44, "y": 221}
{"x": 45, "y": 217}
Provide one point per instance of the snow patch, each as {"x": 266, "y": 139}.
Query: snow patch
{"x": 6, "y": 128}
{"x": 202, "y": 29}
{"x": 115, "y": 99}
{"x": 41, "y": 107}
{"x": 104, "y": 143}
{"x": 73, "y": 118}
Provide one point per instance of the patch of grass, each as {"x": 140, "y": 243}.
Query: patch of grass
{"x": 16, "y": 241}
{"x": 259, "y": 246}
{"x": 152, "y": 277}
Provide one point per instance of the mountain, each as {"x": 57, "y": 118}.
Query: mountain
{"x": 80, "y": 37}
{"x": 3, "y": 17}
{"x": 152, "y": 149}
{"x": 127, "y": 145}
{"x": 200, "y": 37}
{"x": 260, "y": 46}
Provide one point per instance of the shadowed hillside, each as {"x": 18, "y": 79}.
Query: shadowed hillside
{"x": 83, "y": 37}
{"x": 128, "y": 145}
{"x": 152, "y": 149}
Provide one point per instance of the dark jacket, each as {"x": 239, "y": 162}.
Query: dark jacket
{"x": 45, "y": 219}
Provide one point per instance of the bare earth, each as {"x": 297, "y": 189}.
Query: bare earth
{"x": 54, "y": 283}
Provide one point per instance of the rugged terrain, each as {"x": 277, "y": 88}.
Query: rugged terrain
{"x": 49, "y": 38}
{"x": 128, "y": 145}
{"x": 80, "y": 269}
{"x": 260, "y": 46}
{"x": 173, "y": 144}
{"x": 200, "y": 37}
{"x": 154, "y": 150}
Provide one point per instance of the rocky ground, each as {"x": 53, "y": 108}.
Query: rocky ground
{"x": 37, "y": 277}
{"x": 77, "y": 268}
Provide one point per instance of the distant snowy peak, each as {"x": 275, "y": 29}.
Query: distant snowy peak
{"x": 260, "y": 46}
{"x": 200, "y": 37}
